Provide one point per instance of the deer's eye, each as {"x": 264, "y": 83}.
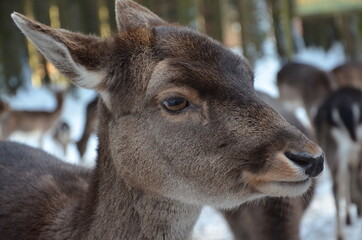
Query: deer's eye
{"x": 175, "y": 104}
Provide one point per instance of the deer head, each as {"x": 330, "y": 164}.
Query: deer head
{"x": 179, "y": 116}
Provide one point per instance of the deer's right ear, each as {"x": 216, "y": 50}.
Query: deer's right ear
{"x": 131, "y": 15}
{"x": 75, "y": 55}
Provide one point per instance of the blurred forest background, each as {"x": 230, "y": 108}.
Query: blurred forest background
{"x": 249, "y": 25}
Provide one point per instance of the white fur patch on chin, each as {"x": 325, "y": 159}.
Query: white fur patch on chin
{"x": 285, "y": 189}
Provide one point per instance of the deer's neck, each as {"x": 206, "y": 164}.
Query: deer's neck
{"x": 121, "y": 212}
{"x": 113, "y": 210}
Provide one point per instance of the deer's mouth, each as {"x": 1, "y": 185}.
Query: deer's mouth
{"x": 292, "y": 183}
{"x": 286, "y": 188}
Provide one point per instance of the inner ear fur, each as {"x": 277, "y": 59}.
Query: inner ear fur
{"x": 80, "y": 57}
{"x": 75, "y": 55}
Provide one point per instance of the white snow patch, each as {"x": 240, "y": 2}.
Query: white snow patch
{"x": 322, "y": 59}
{"x": 211, "y": 226}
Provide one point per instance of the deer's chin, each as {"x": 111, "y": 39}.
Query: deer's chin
{"x": 285, "y": 188}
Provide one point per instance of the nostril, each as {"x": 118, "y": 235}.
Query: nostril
{"x": 311, "y": 165}
{"x": 301, "y": 159}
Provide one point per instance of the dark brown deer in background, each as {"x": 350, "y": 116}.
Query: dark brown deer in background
{"x": 31, "y": 121}
{"x": 89, "y": 127}
{"x": 338, "y": 125}
{"x": 303, "y": 85}
{"x": 271, "y": 218}
{"x": 348, "y": 75}
{"x": 179, "y": 127}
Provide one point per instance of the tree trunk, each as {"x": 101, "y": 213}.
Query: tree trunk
{"x": 184, "y": 11}
{"x": 253, "y": 35}
{"x": 211, "y": 18}
{"x": 41, "y": 10}
{"x": 12, "y": 49}
{"x": 112, "y": 15}
{"x": 89, "y": 16}
{"x": 349, "y": 29}
{"x": 70, "y": 15}
{"x": 320, "y": 31}
{"x": 103, "y": 17}
{"x": 282, "y": 24}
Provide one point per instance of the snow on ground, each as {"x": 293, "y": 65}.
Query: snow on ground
{"x": 319, "y": 220}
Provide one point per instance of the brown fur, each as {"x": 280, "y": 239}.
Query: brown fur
{"x": 348, "y": 74}
{"x": 155, "y": 169}
{"x": 89, "y": 128}
{"x": 29, "y": 121}
{"x": 269, "y": 219}
{"x": 272, "y": 218}
{"x": 4, "y": 107}
{"x": 303, "y": 85}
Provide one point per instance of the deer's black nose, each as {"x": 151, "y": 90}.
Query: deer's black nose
{"x": 312, "y": 165}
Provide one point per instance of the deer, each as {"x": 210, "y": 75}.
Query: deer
{"x": 271, "y": 218}
{"x": 62, "y": 135}
{"x": 338, "y": 125}
{"x": 89, "y": 128}
{"x": 288, "y": 114}
{"x": 304, "y": 85}
{"x": 31, "y": 121}
{"x": 348, "y": 74}
{"x": 180, "y": 127}
{"x": 4, "y": 108}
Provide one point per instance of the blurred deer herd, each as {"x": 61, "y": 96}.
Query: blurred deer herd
{"x": 333, "y": 102}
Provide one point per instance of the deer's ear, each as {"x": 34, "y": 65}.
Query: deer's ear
{"x": 76, "y": 56}
{"x": 130, "y": 15}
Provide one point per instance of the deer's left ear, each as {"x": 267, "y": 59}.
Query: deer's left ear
{"x": 131, "y": 15}
{"x": 75, "y": 55}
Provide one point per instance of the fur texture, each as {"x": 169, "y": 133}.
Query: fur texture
{"x": 348, "y": 75}
{"x": 157, "y": 168}
{"x": 271, "y": 218}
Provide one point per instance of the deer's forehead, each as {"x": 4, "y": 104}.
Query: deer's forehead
{"x": 181, "y": 42}
{"x": 207, "y": 81}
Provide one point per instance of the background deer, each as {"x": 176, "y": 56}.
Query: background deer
{"x": 4, "y": 110}
{"x": 339, "y": 130}
{"x": 89, "y": 127}
{"x": 62, "y": 135}
{"x": 179, "y": 127}
{"x": 271, "y": 218}
{"x": 348, "y": 75}
{"x": 39, "y": 122}
{"x": 303, "y": 85}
